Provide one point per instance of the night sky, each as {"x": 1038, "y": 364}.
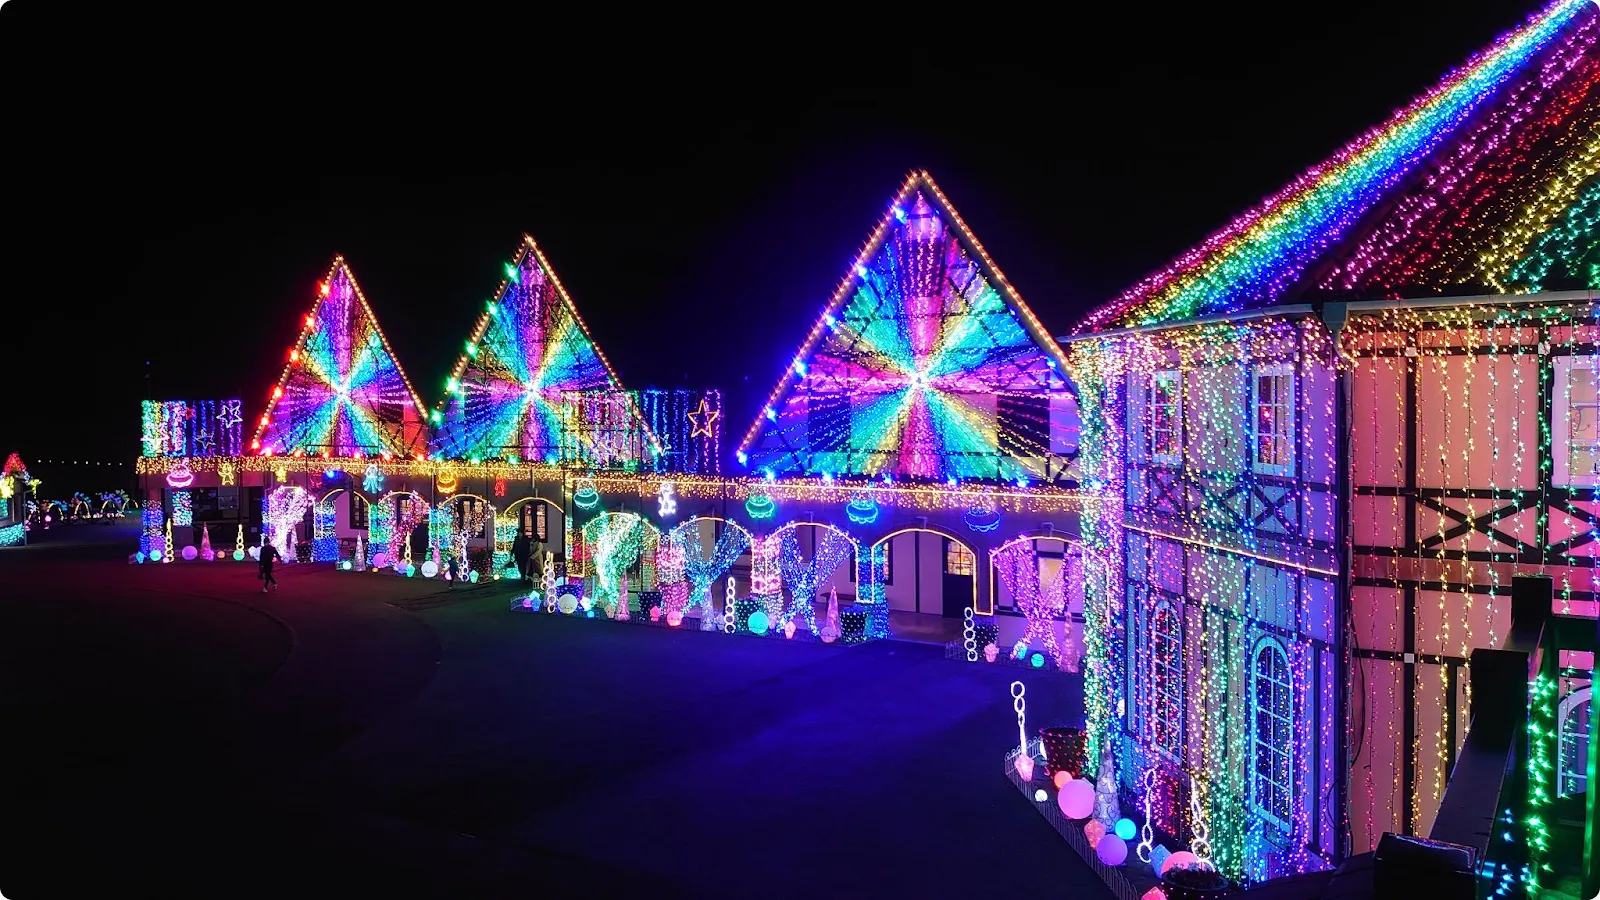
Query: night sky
{"x": 700, "y": 197}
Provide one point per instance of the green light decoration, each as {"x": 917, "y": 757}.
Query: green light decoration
{"x": 616, "y": 542}
{"x": 1569, "y": 251}
{"x": 760, "y": 506}
{"x": 1541, "y": 778}
{"x": 586, "y": 496}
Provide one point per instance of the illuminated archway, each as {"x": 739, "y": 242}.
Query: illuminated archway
{"x": 286, "y": 506}
{"x": 686, "y": 574}
{"x": 388, "y": 526}
{"x": 1035, "y": 594}
{"x": 509, "y": 520}
{"x": 616, "y": 542}
{"x": 949, "y": 536}
{"x": 801, "y": 578}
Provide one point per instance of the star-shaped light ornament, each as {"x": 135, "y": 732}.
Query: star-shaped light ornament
{"x": 702, "y": 419}
{"x": 229, "y": 416}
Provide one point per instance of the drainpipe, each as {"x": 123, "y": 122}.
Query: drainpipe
{"x": 1334, "y": 317}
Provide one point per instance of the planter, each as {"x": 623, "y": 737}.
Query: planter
{"x": 1195, "y": 884}
{"x": 853, "y": 625}
{"x": 1063, "y": 750}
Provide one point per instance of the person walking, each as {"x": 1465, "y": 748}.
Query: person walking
{"x": 268, "y": 554}
{"x": 520, "y": 549}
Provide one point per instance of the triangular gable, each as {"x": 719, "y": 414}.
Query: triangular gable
{"x": 14, "y": 466}
{"x": 342, "y": 392}
{"x": 1424, "y": 198}
{"x": 529, "y": 350}
{"x": 925, "y": 365}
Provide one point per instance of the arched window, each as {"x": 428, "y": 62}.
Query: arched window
{"x": 1271, "y": 733}
{"x": 1573, "y": 717}
{"x": 1166, "y": 681}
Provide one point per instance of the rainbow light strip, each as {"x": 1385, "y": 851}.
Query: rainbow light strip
{"x": 529, "y": 347}
{"x": 342, "y": 393}
{"x": 1257, "y": 257}
{"x": 916, "y": 343}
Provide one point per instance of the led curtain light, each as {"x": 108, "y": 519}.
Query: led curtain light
{"x": 342, "y": 392}
{"x": 1263, "y": 253}
{"x": 925, "y": 366}
{"x": 530, "y": 346}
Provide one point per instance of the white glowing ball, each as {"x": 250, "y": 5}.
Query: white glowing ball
{"x": 430, "y": 569}
{"x": 568, "y": 603}
{"x": 255, "y": 552}
{"x": 1039, "y": 796}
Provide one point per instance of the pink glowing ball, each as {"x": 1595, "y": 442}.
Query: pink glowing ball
{"x": 674, "y": 618}
{"x": 1094, "y": 831}
{"x": 1061, "y": 779}
{"x": 1183, "y": 859}
{"x": 1024, "y": 766}
{"x": 1076, "y": 800}
{"x": 1112, "y": 850}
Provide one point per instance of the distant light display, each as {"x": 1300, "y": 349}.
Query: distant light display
{"x": 342, "y": 392}
{"x": 926, "y": 366}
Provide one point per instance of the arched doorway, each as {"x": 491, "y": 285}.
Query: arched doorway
{"x": 622, "y": 549}
{"x": 1573, "y": 724}
{"x": 813, "y": 558}
{"x": 545, "y": 522}
{"x": 391, "y": 523}
{"x": 927, "y": 571}
{"x": 1044, "y": 579}
{"x": 456, "y": 523}
{"x": 325, "y": 525}
{"x": 692, "y": 558}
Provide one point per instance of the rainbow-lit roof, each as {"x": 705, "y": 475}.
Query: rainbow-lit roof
{"x": 342, "y": 392}
{"x": 528, "y": 354}
{"x": 925, "y": 366}
{"x": 1489, "y": 180}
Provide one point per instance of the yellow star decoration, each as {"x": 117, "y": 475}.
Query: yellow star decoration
{"x": 702, "y": 419}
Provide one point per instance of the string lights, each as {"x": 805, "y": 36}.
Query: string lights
{"x": 342, "y": 392}
{"x": 925, "y": 366}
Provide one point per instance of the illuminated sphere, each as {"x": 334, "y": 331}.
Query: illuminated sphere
{"x": 379, "y": 560}
{"x": 430, "y": 569}
{"x": 1112, "y": 850}
{"x": 1126, "y": 829}
{"x": 1094, "y": 831}
{"x": 222, "y": 554}
{"x": 1037, "y": 660}
{"x": 1040, "y": 796}
{"x": 255, "y": 552}
{"x": 1061, "y": 778}
{"x": 189, "y": 553}
{"x": 758, "y": 622}
{"x": 238, "y": 556}
{"x": 674, "y": 618}
{"x": 155, "y": 556}
{"x": 1183, "y": 859}
{"x": 568, "y": 603}
{"x": 1076, "y": 799}
{"x": 345, "y": 565}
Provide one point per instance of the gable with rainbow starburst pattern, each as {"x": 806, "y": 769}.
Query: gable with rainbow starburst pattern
{"x": 342, "y": 393}
{"x": 926, "y": 366}
{"x": 529, "y": 351}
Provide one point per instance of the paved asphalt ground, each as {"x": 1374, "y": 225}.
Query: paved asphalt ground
{"x": 169, "y": 730}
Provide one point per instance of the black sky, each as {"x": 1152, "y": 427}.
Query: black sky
{"x": 699, "y": 187}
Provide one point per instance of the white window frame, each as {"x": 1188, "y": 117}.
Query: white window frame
{"x": 1561, "y": 411}
{"x": 1258, "y": 745}
{"x": 1176, "y": 378}
{"x": 1167, "y": 679}
{"x": 1292, "y": 418}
